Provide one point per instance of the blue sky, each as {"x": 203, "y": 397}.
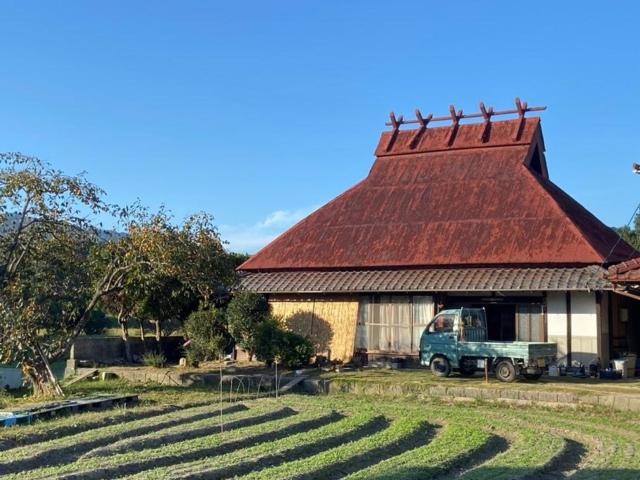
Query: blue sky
{"x": 259, "y": 112}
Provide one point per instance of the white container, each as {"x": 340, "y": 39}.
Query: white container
{"x": 620, "y": 366}
{"x": 554, "y": 371}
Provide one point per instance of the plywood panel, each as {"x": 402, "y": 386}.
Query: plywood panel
{"x": 329, "y": 323}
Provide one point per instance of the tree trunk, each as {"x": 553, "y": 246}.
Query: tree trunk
{"x": 38, "y": 371}
{"x": 158, "y": 331}
{"x": 141, "y": 330}
{"x": 124, "y": 325}
{"x": 123, "y": 320}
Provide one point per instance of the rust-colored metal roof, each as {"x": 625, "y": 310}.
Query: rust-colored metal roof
{"x": 428, "y": 280}
{"x": 479, "y": 198}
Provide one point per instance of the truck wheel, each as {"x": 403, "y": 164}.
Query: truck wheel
{"x": 505, "y": 371}
{"x": 440, "y": 366}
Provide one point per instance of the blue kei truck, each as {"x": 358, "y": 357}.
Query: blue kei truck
{"x": 456, "y": 339}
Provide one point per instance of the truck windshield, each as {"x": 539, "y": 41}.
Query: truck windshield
{"x": 443, "y": 323}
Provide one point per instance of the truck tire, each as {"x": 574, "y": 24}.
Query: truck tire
{"x": 440, "y": 366}
{"x": 505, "y": 371}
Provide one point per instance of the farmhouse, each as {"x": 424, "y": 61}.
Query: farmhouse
{"x": 460, "y": 215}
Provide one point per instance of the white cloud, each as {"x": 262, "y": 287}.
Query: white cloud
{"x": 251, "y": 238}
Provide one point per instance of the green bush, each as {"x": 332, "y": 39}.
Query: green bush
{"x": 206, "y": 331}
{"x": 245, "y": 313}
{"x": 154, "y": 359}
{"x": 273, "y": 342}
{"x": 295, "y": 350}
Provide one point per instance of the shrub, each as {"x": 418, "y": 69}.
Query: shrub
{"x": 207, "y": 334}
{"x": 267, "y": 339}
{"x": 245, "y": 313}
{"x": 273, "y": 342}
{"x": 154, "y": 359}
{"x": 294, "y": 350}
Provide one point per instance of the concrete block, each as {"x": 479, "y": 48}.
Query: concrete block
{"x": 620, "y": 402}
{"x": 548, "y": 397}
{"x": 471, "y": 392}
{"x": 634, "y": 404}
{"x": 438, "y": 391}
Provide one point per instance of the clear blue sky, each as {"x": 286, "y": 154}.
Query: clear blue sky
{"x": 258, "y": 112}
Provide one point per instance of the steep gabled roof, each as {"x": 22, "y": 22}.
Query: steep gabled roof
{"x": 435, "y": 199}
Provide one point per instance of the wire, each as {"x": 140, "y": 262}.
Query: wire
{"x": 619, "y": 236}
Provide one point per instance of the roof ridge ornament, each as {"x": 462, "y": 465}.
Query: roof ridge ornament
{"x": 486, "y": 114}
{"x": 423, "y": 121}
{"x": 395, "y": 123}
{"x": 521, "y": 108}
{"x": 455, "y": 123}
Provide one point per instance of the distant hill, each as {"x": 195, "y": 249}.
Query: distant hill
{"x": 12, "y": 219}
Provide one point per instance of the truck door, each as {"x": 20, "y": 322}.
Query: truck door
{"x": 441, "y": 338}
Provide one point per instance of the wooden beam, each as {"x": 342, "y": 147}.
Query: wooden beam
{"x": 568, "y": 298}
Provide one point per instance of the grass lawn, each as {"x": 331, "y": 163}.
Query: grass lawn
{"x": 178, "y": 432}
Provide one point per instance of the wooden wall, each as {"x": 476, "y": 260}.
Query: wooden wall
{"x": 329, "y": 322}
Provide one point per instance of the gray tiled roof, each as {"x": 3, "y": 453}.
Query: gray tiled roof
{"x": 428, "y": 280}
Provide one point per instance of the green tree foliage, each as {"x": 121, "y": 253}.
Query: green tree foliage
{"x": 207, "y": 335}
{"x": 48, "y": 283}
{"x": 631, "y": 235}
{"x": 245, "y": 312}
{"x": 56, "y": 267}
{"x": 273, "y": 343}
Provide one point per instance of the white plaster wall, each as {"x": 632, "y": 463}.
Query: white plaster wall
{"x": 556, "y": 314}
{"x": 557, "y": 322}
{"x": 584, "y": 326}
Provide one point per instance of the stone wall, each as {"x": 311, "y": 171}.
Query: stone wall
{"x": 111, "y": 349}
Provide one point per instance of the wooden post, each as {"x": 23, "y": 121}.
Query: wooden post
{"x": 486, "y": 370}
{"x": 568, "y": 298}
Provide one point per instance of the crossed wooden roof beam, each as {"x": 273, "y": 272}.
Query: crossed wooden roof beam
{"x": 455, "y": 116}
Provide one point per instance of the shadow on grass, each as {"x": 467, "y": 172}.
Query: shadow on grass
{"x": 110, "y": 417}
{"x": 136, "y": 445}
{"x": 69, "y": 453}
{"x": 371, "y": 427}
{"x": 420, "y": 437}
{"x": 510, "y": 473}
{"x": 191, "y": 455}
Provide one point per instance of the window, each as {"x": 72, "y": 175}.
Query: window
{"x": 529, "y": 323}
{"x": 443, "y": 323}
{"x": 392, "y": 323}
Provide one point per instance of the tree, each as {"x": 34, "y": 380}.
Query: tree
{"x": 53, "y": 268}
{"x": 274, "y": 343}
{"x": 207, "y": 335}
{"x": 245, "y": 312}
{"x": 631, "y": 235}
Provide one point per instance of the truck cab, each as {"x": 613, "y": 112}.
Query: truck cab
{"x": 456, "y": 339}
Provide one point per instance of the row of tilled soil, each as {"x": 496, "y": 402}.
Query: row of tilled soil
{"x": 349, "y": 437}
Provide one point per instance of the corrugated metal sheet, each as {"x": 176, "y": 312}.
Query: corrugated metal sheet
{"x": 471, "y": 204}
{"x": 428, "y": 280}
